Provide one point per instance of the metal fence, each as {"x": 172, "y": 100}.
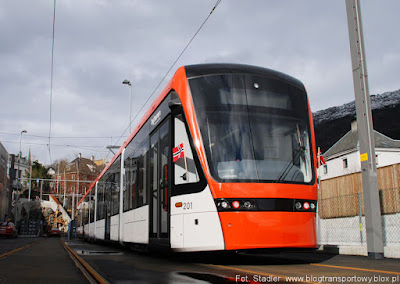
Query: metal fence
{"x": 342, "y": 221}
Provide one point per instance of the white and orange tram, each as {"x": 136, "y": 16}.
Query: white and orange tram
{"x": 224, "y": 159}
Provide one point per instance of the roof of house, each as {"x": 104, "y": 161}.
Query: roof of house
{"x": 86, "y": 166}
{"x": 350, "y": 142}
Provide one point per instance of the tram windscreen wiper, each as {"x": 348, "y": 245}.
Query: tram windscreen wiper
{"x": 298, "y": 152}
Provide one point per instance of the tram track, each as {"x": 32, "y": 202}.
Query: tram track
{"x": 315, "y": 268}
{"x": 91, "y": 275}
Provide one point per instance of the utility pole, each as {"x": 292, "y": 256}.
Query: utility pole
{"x": 41, "y": 190}
{"x": 19, "y": 177}
{"x": 11, "y": 173}
{"x": 366, "y": 139}
{"x": 65, "y": 187}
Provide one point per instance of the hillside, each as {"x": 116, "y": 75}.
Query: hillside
{"x": 332, "y": 123}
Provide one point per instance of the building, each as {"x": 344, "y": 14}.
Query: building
{"x": 4, "y": 183}
{"x": 343, "y": 158}
{"x": 20, "y": 166}
{"x": 76, "y": 178}
{"x": 340, "y": 196}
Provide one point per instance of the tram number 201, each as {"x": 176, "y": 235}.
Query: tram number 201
{"x": 187, "y": 205}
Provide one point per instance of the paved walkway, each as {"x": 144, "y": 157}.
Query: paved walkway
{"x": 43, "y": 262}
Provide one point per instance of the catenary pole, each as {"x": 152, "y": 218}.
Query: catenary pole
{"x": 365, "y": 131}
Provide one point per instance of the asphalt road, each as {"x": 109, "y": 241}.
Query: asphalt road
{"x": 119, "y": 265}
{"x": 7, "y": 245}
{"x": 46, "y": 261}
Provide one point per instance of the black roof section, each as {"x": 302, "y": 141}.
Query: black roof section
{"x": 349, "y": 142}
{"x": 224, "y": 68}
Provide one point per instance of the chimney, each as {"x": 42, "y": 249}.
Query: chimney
{"x": 80, "y": 156}
{"x": 354, "y": 126}
{"x": 92, "y": 158}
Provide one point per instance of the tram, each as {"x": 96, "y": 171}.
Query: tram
{"x": 224, "y": 159}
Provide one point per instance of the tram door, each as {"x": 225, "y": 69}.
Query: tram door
{"x": 159, "y": 184}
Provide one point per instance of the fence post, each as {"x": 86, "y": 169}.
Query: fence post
{"x": 360, "y": 217}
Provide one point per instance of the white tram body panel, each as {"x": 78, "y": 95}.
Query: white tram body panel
{"x": 85, "y": 230}
{"x": 136, "y": 225}
{"x": 114, "y": 228}
{"x": 100, "y": 229}
{"x": 91, "y": 231}
{"x": 195, "y": 226}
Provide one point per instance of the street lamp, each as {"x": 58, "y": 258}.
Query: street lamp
{"x": 127, "y": 82}
{"x": 18, "y": 176}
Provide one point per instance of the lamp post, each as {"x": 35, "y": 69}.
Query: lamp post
{"x": 127, "y": 82}
{"x": 18, "y": 176}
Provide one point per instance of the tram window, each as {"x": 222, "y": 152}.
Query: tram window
{"x": 184, "y": 165}
{"x": 254, "y": 128}
{"x": 135, "y": 186}
{"x": 107, "y": 196}
{"x": 115, "y": 193}
{"x": 141, "y": 184}
{"x": 91, "y": 208}
{"x": 100, "y": 201}
{"x": 129, "y": 183}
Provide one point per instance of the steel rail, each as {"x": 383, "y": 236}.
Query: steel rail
{"x": 92, "y": 275}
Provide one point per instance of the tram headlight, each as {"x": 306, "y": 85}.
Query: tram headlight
{"x": 312, "y": 206}
{"x": 224, "y": 204}
{"x": 298, "y": 205}
{"x": 306, "y": 205}
{"x": 248, "y": 205}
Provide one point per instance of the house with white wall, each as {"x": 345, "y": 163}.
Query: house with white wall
{"x": 341, "y": 219}
{"x": 343, "y": 157}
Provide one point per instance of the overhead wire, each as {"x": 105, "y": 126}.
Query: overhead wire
{"x": 172, "y": 66}
{"x": 145, "y": 103}
{"x": 55, "y": 145}
{"x": 51, "y": 80}
{"x": 60, "y": 137}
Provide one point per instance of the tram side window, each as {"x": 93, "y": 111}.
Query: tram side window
{"x": 141, "y": 184}
{"x": 135, "y": 182}
{"x": 129, "y": 183}
{"x": 100, "y": 200}
{"x": 184, "y": 165}
{"x": 115, "y": 194}
{"x": 112, "y": 177}
{"x": 107, "y": 196}
{"x": 91, "y": 208}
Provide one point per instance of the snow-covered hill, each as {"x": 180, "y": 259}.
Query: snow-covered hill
{"x": 382, "y": 101}
{"x": 332, "y": 123}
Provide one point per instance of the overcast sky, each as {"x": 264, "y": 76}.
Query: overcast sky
{"x": 100, "y": 43}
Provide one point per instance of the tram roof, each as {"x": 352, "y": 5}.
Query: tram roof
{"x": 224, "y": 68}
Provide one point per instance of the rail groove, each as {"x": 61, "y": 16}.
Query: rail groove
{"x": 92, "y": 275}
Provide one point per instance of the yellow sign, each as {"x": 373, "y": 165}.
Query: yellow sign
{"x": 364, "y": 157}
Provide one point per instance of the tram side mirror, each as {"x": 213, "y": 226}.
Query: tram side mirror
{"x": 183, "y": 176}
{"x": 174, "y": 104}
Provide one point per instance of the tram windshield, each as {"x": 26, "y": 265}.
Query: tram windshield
{"x": 253, "y": 128}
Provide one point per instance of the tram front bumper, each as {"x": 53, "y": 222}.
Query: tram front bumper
{"x": 251, "y": 230}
